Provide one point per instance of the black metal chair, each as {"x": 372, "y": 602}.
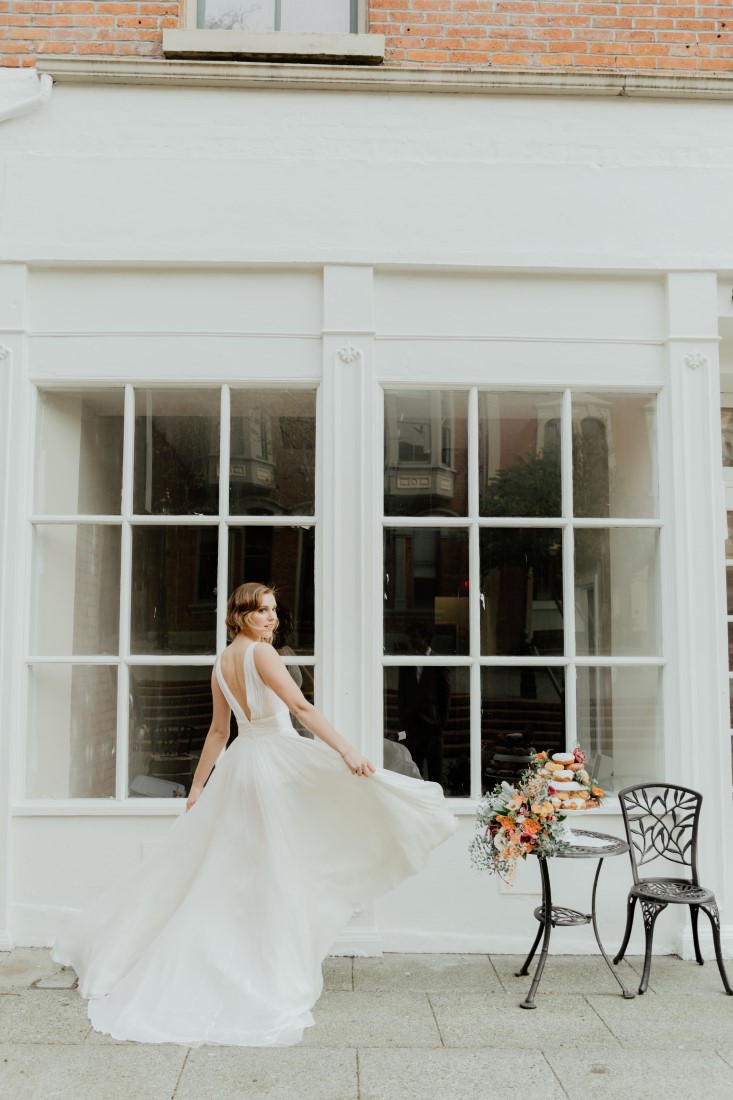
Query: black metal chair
{"x": 661, "y": 822}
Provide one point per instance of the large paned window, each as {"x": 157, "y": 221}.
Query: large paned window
{"x": 294, "y": 16}
{"x": 521, "y": 582}
{"x": 150, "y": 505}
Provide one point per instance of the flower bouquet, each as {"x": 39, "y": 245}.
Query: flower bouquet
{"x": 514, "y": 822}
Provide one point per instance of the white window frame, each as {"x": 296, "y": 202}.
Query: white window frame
{"x": 568, "y": 523}
{"x": 126, "y": 520}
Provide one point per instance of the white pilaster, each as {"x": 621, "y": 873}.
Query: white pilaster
{"x": 347, "y": 533}
{"x": 12, "y": 301}
{"x": 696, "y": 697}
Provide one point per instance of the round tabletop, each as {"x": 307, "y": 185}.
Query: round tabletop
{"x": 613, "y": 846}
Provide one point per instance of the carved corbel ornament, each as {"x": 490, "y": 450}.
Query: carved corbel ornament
{"x": 348, "y": 353}
{"x": 4, "y": 352}
{"x": 695, "y": 360}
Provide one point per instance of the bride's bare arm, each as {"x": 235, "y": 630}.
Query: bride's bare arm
{"x": 275, "y": 675}
{"x": 215, "y": 742}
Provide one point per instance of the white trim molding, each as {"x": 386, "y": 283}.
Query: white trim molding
{"x": 361, "y": 49}
{"x": 343, "y": 78}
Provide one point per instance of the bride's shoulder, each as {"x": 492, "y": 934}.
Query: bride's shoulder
{"x": 265, "y": 655}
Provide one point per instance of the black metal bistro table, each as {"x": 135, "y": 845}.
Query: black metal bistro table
{"x": 560, "y": 917}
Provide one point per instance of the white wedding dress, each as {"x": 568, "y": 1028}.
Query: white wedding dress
{"x": 220, "y": 935}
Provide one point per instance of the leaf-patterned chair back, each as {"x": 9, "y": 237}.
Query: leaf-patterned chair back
{"x": 661, "y": 823}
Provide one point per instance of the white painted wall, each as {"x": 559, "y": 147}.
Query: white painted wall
{"x": 524, "y": 240}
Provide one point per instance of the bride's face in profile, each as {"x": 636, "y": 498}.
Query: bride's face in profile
{"x": 262, "y": 622}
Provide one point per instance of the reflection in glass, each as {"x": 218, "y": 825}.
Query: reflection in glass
{"x": 79, "y": 463}
{"x": 614, "y": 443}
{"x": 292, "y": 16}
{"x": 72, "y": 731}
{"x": 729, "y": 540}
{"x": 616, "y": 592}
{"x": 170, "y": 715}
{"x": 726, "y": 432}
{"x": 730, "y": 688}
{"x": 76, "y": 589}
{"x": 619, "y": 724}
{"x": 522, "y": 710}
{"x": 173, "y": 590}
{"x": 425, "y": 453}
{"x": 729, "y": 587}
{"x": 427, "y": 724}
{"x": 519, "y": 454}
{"x": 521, "y": 586}
{"x": 272, "y": 463}
{"x": 426, "y": 585}
{"x": 176, "y": 452}
{"x": 283, "y": 557}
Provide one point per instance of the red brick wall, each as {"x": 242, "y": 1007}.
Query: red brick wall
{"x": 503, "y": 34}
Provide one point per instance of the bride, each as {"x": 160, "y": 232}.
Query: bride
{"x": 220, "y": 936}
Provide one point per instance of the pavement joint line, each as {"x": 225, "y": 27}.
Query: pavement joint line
{"x": 180, "y": 1075}
{"x": 353, "y": 978}
{"x": 358, "y": 1072}
{"x": 605, "y": 1024}
{"x": 552, "y": 1071}
{"x": 440, "y": 1034}
{"x": 498, "y": 975}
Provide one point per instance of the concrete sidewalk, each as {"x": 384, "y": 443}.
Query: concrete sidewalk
{"x": 403, "y": 1027}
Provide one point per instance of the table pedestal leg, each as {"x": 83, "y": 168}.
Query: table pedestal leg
{"x": 626, "y": 992}
{"x": 545, "y": 927}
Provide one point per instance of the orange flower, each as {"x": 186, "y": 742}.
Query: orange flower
{"x": 597, "y": 792}
{"x": 532, "y": 827}
{"x": 541, "y": 756}
{"x": 536, "y": 808}
{"x": 506, "y": 822}
{"x": 514, "y": 802}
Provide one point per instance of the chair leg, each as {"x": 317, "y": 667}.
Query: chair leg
{"x": 712, "y": 912}
{"x": 630, "y": 906}
{"x": 694, "y": 911}
{"x": 651, "y": 910}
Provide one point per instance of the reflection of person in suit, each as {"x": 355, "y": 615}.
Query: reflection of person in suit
{"x": 423, "y": 701}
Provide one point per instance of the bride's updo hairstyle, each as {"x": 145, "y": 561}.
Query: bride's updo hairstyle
{"x": 242, "y": 602}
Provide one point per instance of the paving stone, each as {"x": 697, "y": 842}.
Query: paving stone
{"x": 671, "y": 974}
{"x": 468, "y": 1074}
{"x": 337, "y": 973}
{"x": 565, "y": 974}
{"x": 65, "y": 979}
{"x": 373, "y": 1020}
{"x": 605, "y": 1074}
{"x": 24, "y": 965}
{"x": 426, "y": 973}
{"x": 285, "y": 1073}
{"x": 43, "y": 1016}
{"x": 30, "y": 1071}
{"x": 671, "y": 1021}
{"x": 472, "y": 1020}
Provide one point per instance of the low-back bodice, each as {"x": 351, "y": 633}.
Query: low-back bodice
{"x": 267, "y": 711}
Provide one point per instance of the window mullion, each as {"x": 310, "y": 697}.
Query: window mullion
{"x": 568, "y": 580}
{"x": 123, "y": 674}
{"x": 223, "y": 557}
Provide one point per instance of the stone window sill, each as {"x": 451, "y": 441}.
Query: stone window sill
{"x": 352, "y": 49}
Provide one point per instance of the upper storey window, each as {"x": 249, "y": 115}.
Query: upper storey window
{"x": 275, "y": 30}
{"x": 293, "y": 16}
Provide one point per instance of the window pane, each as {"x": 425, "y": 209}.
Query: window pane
{"x": 173, "y": 590}
{"x": 272, "y": 467}
{"x": 619, "y": 724}
{"x": 522, "y": 709}
{"x": 294, "y": 16}
{"x": 230, "y": 15}
{"x": 726, "y": 432}
{"x": 614, "y": 444}
{"x": 519, "y": 454}
{"x": 729, "y": 586}
{"x": 282, "y": 557}
{"x": 729, "y": 540}
{"x": 170, "y": 715}
{"x": 425, "y": 453}
{"x": 426, "y": 590}
{"x": 304, "y": 676}
{"x": 433, "y": 710}
{"x": 79, "y": 462}
{"x": 176, "y": 452}
{"x": 76, "y": 590}
{"x": 72, "y": 732}
{"x": 616, "y": 592}
{"x": 326, "y": 16}
{"x": 521, "y": 591}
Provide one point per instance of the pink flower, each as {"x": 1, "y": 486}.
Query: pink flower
{"x": 579, "y": 756}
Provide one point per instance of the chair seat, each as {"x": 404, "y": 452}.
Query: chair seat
{"x": 679, "y": 891}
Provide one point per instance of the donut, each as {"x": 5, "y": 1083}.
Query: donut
{"x": 563, "y": 757}
{"x": 564, "y": 775}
